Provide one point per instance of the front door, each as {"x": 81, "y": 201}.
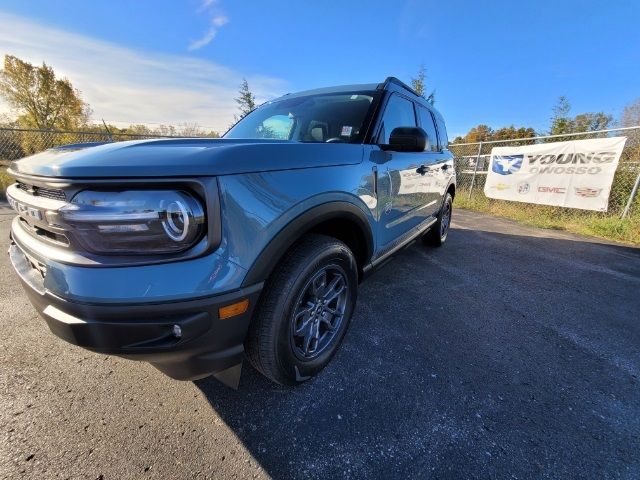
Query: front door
{"x": 407, "y": 190}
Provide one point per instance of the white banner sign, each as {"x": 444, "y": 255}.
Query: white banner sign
{"x": 574, "y": 174}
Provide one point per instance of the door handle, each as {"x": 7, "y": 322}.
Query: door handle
{"x": 422, "y": 169}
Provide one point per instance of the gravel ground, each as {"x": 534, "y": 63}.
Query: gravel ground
{"x": 511, "y": 352}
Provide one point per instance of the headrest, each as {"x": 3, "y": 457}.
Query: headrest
{"x": 317, "y": 133}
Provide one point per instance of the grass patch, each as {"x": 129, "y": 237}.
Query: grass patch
{"x": 5, "y": 179}
{"x": 583, "y": 222}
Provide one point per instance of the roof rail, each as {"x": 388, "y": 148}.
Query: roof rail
{"x": 400, "y": 83}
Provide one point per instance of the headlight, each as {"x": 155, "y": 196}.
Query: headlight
{"x": 134, "y": 221}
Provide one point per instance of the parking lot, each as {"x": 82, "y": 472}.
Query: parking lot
{"x": 511, "y": 352}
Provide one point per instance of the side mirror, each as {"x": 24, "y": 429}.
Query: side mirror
{"x": 406, "y": 139}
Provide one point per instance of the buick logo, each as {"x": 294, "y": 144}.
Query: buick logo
{"x": 523, "y": 188}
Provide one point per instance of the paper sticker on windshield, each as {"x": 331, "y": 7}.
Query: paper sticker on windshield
{"x": 346, "y": 131}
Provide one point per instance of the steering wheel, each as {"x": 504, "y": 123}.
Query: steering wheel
{"x": 334, "y": 140}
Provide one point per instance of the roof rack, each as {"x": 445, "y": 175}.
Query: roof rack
{"x": 400, "y": 83}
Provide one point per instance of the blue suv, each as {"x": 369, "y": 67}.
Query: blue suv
{"x": 192, "y": 253}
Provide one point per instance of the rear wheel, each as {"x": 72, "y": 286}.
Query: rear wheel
{"x": 304, "y": 311}
{"x": 439, "y": 231}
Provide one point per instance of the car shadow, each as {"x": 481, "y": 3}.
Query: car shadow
{"x": 497, "y": 354}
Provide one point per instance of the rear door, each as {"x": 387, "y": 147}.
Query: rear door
{"x": 441, "y": 159}
{"x": 404, "y": 178}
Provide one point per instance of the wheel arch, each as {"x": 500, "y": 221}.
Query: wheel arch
{"x": 451, "y": 189}
{"x": 340, "y": 219}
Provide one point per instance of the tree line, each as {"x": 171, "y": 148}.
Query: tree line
{"x": 562, "y": 122}
{"x": 43, "y": 101}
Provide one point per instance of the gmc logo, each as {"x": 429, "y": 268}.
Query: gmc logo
{"x": 552, "y": 190}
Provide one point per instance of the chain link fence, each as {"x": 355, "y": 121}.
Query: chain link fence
{"x": 16, "y": 143}
{"x": 472, "y": 164}
{"x": 472, "y": 161}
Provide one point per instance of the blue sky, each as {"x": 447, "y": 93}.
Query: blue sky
{"x": 498, "y": 63}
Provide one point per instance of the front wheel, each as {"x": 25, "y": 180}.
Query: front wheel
{"x": 439, "y": 231}
{"x": 304, "y": 311}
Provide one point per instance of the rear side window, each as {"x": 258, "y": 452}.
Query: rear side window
{"x": 399, "y": 113}
{"x": 428, "y": 125}
{"x": 442, "y": 131}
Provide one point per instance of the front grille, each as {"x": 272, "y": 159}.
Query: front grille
{"x": 44, "y": 234}
{"x": 52, "y": 193}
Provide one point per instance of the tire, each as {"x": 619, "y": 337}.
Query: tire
{"x": 290, "y": 341}
{"x": 439, "y": 231}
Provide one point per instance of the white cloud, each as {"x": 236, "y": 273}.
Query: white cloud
{"x": 216, "y": 22}
{"x": 205, "y": 4}
{"x": 220, "y": 20}
{"x": 126, "y": 86}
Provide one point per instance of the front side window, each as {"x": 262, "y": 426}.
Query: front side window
{"x": 339, "y": 118}
{"x": 399, "y": 113}
{"x": 277, "y": 126}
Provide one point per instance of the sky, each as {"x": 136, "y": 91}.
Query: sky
{"x": 498, "y": 63}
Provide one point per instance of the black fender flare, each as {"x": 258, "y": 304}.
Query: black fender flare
{"x": 306, "y": 221}
{"x": 452, "y": 183}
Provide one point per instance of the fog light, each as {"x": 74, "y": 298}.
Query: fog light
{"x": 177, "y": 331}
{"x": 234, "y": 309}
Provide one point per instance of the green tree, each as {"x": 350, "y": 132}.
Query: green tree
{"x": 481, "y": 133}
{"x": 591, "y": 121}
{"x": 511, "y": 132}
{"x": 561, "y": 122}
{"x": 631, "y": 118}
{"x": 418, "y": 83}
{"x": 165, "y": 131}
{"x": 246, "y": 100}
{"x": 484, "y": 133}
{"x": 137, "y": 129}
{"x": 631, "y": 114}
{"x": 42, "y": 100}
{"x": 193, "y": 129}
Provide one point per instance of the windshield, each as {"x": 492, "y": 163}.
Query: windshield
{"x": 337, "y": 117}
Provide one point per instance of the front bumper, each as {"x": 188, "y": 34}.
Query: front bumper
{"x": 185, "y": 339}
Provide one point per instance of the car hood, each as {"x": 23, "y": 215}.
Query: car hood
{"x": 183, "y": 157}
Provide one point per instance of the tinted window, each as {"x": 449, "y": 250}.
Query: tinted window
{"x": 340, "y": 117}
{"x": 399, "y": 113}
{"x": 442, "y": 134}
{"x": 426, "y": 122}
{"x": 278, "y": 126}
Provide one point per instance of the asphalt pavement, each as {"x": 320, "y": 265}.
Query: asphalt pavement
{"x": 511, "y": 352}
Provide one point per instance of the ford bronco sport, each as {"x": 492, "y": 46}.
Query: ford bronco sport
{"x": 192, "y": 253}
